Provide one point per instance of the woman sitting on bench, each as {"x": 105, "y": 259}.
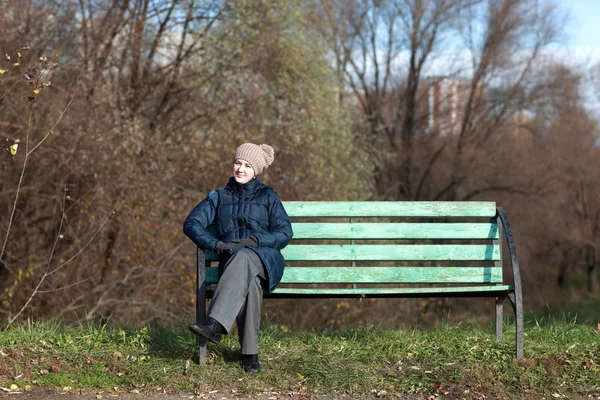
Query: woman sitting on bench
{"x": 252, "y": 228}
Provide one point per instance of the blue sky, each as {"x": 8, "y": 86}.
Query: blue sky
{"x": 583, "y": 24}
{"x": 582, "y": 41}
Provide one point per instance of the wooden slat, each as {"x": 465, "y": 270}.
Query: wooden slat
{"x": 441, "y": 209}
{"x": 361, "y": 230}
{"x": 383, "y": 252}
{"x": 307, "y": 275}
{"x": 392, "y": 275}
{"x": 308, "y": 292}
{"x": 388, "y": 252}
{"x": 464, "y": 289}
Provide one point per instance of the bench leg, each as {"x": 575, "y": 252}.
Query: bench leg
{"x": 201, "y": 302}
{"x": 499, "y": 303}
{"x": 517, "y": 304}
{"x": 200, "y": 341}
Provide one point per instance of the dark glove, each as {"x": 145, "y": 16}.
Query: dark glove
{"x": 241, "y": 243}
{"x": 223, "y": 248}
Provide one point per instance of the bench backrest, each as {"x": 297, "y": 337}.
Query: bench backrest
{"x": 391, "y": 243}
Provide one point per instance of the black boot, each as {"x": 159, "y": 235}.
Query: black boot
{"x": 250, "y": 363}
{"x": 209, "y": 329}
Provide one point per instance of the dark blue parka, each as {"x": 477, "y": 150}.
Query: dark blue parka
{"x": 238, "y": 211}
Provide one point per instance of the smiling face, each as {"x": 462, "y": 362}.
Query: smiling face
{"x": 242, "y": 171}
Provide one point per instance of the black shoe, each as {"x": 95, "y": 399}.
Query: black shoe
{"x": 250, "y": 363}
{"x": 209, "y": 329}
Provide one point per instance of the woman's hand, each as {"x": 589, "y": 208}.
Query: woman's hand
{"x": 223, "y": 248}
{"x": 241, "y": 243}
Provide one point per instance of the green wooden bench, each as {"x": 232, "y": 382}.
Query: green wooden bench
{"x": 391, "y": 249}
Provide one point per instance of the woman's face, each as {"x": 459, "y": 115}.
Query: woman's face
{"x": 242, "y": 171}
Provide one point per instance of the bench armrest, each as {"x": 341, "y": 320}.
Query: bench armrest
{"x": 512, "y": 247}
{"x": 517, "y": 298}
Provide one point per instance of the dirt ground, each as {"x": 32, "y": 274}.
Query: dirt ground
{"x": 57, "y": 394}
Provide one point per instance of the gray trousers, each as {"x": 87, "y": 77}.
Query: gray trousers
{"x": 239, "y": 297}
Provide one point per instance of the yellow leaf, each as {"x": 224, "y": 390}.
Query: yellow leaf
{"x": 36, "y": 91}
{"x": 18, "y": 54}
{"x": 2, "y": 71}
{"x": 13, "y": 149}
{"x": 16, "y": 64}
{"x": 54, "y": 64}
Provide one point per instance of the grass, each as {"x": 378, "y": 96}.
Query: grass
{"x": 561, "y": 359}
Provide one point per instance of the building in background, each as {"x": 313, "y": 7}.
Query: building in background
{"x": 442, "y": 103}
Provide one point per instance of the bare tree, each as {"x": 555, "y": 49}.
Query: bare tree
{"x": 388, "y": 48}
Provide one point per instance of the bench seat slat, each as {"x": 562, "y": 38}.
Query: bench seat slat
{"x": 383, "y": 252}
{"x": 365, "y": 230}
{"x": 438, "y": 209}
{"x": 404, "y": 274}
{"x": 464, "y": 289}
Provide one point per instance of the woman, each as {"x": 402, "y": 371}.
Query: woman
{"x": 252, "y": 226}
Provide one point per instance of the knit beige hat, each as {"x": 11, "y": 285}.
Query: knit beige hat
{"x": 258, "y": 156}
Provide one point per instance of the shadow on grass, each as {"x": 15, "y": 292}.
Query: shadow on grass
{"x": 176, "y": 342}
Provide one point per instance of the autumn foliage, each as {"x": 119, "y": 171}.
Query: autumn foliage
{"x": 121, "y": 115}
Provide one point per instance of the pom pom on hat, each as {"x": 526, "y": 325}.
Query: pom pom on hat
{"x": 258, "y": 156}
